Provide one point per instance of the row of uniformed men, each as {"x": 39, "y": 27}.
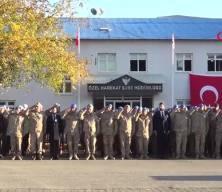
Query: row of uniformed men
{"x": 127, "y": 122}
{"x": 21, "y": 122}
{"x": 36, "y": 123}
{"x": 205, "y": 123}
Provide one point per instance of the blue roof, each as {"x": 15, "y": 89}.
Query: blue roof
{"x": 161, "y": 28}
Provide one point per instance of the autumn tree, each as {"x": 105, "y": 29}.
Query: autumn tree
{"x": 33, "y": 45}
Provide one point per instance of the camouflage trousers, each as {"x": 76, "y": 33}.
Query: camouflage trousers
{"x": 73, "y": 142}
{"x": 16, "y": 144}
{"x": 125, "y": 141}
{"x": 218, "y": 140}
{"x": 36, "y": 142}
{"x": 90, "y": 144}
{"x": 108, "y": 145}
{"x": 181, "y": 143}
{"x": 200, "y": 138}
{"x": 142, "y": 146}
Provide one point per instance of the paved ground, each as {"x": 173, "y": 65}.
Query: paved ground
{"x": 111, "y": 176}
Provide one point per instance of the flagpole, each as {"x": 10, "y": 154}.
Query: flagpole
{"x": 78, "y": 52}
{"x": 78, "y": 39}
{"x": 172, "y": 71}
{"x": 94, "y": 12}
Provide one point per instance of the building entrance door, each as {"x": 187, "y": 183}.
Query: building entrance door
{"x": 117, "y": 102}
{"x": 121, "y": 104}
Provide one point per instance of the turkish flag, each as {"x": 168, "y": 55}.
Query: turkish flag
{"x": 78, "y": 40}
{"x": 205, "y": 89}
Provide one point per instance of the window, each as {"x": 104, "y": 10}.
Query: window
{"x": 183, "y": 102}
{"x": 107, "y": 62}
{"x": 138, "y": 62}
{"x": 184, "y": 62}
{"x": 66, "y": 87}
{"x": 214, "y": 62}
{"x": 7, "y": 103}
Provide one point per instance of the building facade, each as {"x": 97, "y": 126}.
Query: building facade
{"x": 130, "y": 61}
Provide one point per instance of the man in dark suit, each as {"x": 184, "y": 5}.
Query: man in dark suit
{"x": 54, "y": 130}
{"x": 161, "y": 127}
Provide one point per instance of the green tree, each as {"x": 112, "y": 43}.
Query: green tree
{"x": 33, "y": 45}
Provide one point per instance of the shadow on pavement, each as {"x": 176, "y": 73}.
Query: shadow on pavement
{"x": 189, "y": 178}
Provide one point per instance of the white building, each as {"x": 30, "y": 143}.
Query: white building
{"x": 130, "y": 61}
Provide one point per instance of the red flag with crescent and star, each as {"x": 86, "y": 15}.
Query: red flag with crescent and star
{"x": 205, "y": 89}
{"x": 78, "y": 40}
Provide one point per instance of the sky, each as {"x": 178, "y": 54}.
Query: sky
{"x": 152, "y": 8}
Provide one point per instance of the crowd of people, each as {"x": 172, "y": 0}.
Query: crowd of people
{"x": 124, "y": 133}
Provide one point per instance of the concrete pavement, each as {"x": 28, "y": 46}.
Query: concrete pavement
{"x": 112, "y": 176}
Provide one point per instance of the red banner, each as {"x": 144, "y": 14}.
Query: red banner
{"x": 205, "y": 89}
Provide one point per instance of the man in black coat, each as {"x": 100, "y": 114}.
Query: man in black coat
{"x": 161, "y": 127}
{"x": 54, "y": 130}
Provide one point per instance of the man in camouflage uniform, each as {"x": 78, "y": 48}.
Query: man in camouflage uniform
{"x": 116, "y": 144}
{"x": 108, "y": 130}
{"x": 126, "y": 130}
{"x": 133, "y": 145}
{"x": 172, "y": 136}
{"x": 72, "y": 130}
{"x": 36, "y": 131}
{"x": 180, "y": 122}
{"x": 15, "y": 131}
{"x": 210, "y": 142}
{"x": 90, "y": 129}
{"x": 218, "y": 136}
{"x": 144, "y": 126}
{"x": 26, "y": 130}
{"x": 199, "y": 126}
